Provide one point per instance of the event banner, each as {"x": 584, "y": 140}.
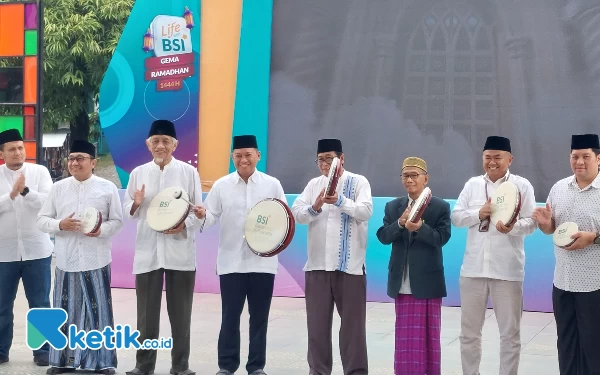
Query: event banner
{"x": 154, "y": 74}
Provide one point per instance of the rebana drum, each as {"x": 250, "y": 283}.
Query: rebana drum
{"x": 562, "y": 234}
{"x": 166, "y": 212}
{"x": 418, "y": 209}
{"x": 506, "y": 204}
{"x": 335, "y": 172}
{"x": 91, "y": 219}
{"x": 270, "y": 227}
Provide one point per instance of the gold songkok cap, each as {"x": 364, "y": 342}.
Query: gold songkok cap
{"x": 414, "y": 162}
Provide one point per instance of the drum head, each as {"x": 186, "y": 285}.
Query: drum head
{"x": 562, "y": 234}
{"x": 417, "y": 210}
{"x": 90, "y": 220}
{"x": 269, "y": 227}
{"x": 506, "y": 202}
{"x": 333, "y": 177}
{"x": 166, "y": 212}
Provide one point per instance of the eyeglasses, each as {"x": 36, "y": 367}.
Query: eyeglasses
{"x": 327, "y": 160}
{"x": 412, "y": 176}
{"x": 79, "y": 159}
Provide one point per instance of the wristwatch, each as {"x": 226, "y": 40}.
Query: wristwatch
{"x": 25, "y": 191}
{"x": 597, "y": 239}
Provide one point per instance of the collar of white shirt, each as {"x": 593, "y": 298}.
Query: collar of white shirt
{"x": 11, "y": 173}
{"x": 252, "y": 178}
{"x": 594, "y": 184}
{"x": 499, "y": 181}
{"x": 171, "y": 164}
{"x": 84, "y": 182}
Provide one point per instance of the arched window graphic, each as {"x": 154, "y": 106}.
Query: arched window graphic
{"x": 450, "y": 78}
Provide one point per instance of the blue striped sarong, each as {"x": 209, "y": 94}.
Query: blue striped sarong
{"x": 86, "y": 298}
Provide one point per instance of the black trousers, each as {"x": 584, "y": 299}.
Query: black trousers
{"x": 578, "y": 326}
{"x": 179, "y": 288}
{"x": 235, "y": 287}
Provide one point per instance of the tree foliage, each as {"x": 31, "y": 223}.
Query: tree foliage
{"x": 80, "y": 37}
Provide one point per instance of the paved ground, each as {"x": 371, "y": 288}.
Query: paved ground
{"x": 106, "y": 169}
{"x": 287, "y": 339}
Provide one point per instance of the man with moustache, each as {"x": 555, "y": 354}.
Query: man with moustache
{"x": 242, "y": 274}
{"x": 25, "y": 251}
{"x": 335, "y": 271}
{"x": 82, "y": 277}
{"x": 494, "y": 260}
{"x": 169, "y": 256}
{"x": 416, "y": 279}
{"x": 576, "y": 290}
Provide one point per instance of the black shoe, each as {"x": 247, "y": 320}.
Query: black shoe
{"x": 3, "y": 360}
{"x": 59, "y": 370}
{"x": 41, "y": 359}
{"x": 137, "y": 371}
{"x": 105, "y": 371}
{"x": 185, "y": 372}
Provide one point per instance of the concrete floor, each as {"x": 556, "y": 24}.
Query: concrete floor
{"x": 287, "y": 339}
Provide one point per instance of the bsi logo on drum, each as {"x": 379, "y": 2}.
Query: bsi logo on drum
{"x": 164, "y": 204}
{"x": 500, "y": 200}
{"x": 262, "y": 219}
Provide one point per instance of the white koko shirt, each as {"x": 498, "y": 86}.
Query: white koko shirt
{"x": 337, "y": 234}
{"x": 20, "y": 239}
{"x": 228, "y": 202}
{"x": 155, "y": 250}
{"x": 76, "y": 252}
{"x": 577, "y": 270}
{"x": 493, "y": 254}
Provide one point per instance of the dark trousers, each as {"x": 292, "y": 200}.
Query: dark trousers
{"x": 179, "y": 287}
{"x": 578, "y": 327}
{"x": 235, "y": 288}
{"x": 349, "y": 294}
{"x": 36, "y": 276}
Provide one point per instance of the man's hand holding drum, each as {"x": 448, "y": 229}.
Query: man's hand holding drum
{"x": 404, "y": 218}
{"x": 319, "y": 202}
{"x": 199, "y": 211}
{"x": 70, "y": 224}
{"x": 486, "y": 211}
{"x": 331, "y": 199}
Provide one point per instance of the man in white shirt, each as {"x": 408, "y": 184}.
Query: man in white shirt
{"x": 576, "y": 290}
{"x": 494, "y": 260}
{"x": 82, "y": 276}
{"x": 335, "y": 270}
{"x": 25, "y": 252}
{"x": 169, "y": 256}
{"x": 242, "y": 274}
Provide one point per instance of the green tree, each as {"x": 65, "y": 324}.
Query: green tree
{"x": 80, "y": 37}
